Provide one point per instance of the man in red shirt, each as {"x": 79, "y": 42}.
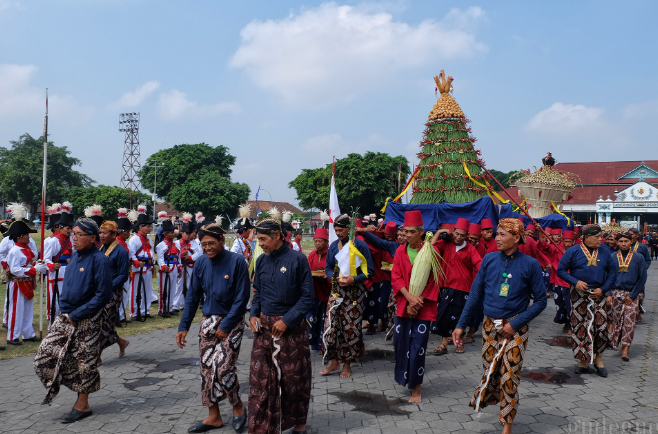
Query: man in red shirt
{"x": 487, "y": 242}
{"x": 561, "y": 289}
{"x": 414, "y": 313}
{"x": 317, "y": 260}
{"x": 461, "y": 262}
{"x": 474, "y": 235}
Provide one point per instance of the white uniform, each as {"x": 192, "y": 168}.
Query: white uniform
{"x": 139, "y": 249}
{"x": 126, "y": 286}
{"x": 168, "y": 255}
{"x": 5, "y": 246}
{"x": 21, "y": 308}
{"x": 240, "y": 248}
{"x": 185, "y": 270}
{"x": 53, "y": 252}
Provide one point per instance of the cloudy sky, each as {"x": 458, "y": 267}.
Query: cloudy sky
{"x": 287, "y": 85}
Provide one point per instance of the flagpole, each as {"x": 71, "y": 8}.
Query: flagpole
{"x": 43, "y": 209}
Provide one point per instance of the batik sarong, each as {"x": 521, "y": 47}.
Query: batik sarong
{"x": 410, "y": 343}
{"x": 392, "y": 312}
{"x": 589, "y": 323}
{"x": 315, "y": 322}
{"x": 623, "y": 318}
{"x": 562, "y": 298}
{"x": 502, "y": 360}
{"x": 68, "y": 356}
{"x": 451, "y": 305}
{"x": 343, "y": 324}
{"x": 384, "y": 294}
{"x": 109, "y": 318}
{"x": 279, "y": 392}
{"x": 371, "y": 308}
{"x": 219, "y": 377}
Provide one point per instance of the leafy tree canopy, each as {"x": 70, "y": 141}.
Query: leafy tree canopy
{"x": 21, "y": 169}
{"x": 181, "y": 162}
{"x": 208, "y": 191}
{"x": 362, "y": 181}
{"x": 109, "y": 197}
{"x": 503, "y": 177}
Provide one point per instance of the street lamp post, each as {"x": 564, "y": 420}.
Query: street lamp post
{"x": 155, "y": 186}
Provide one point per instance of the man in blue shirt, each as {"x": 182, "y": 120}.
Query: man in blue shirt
{"x": 591, "y": 272}
{"x": 505, "y": 282}
{"x": 221, "y": 279}
{"x": 342, "y": 339}
{"x": 69, "y": 354}
{"x": 280, "y": 370}
{"x": 120, "y": 267}
{"x": 643, "y": 250}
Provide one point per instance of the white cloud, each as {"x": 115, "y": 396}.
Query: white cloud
{"x": 332, "y": 53}
{"x": 174, "y": 105}
{"x": 132, "y": 99}
{"x": 20, "y": 99}
{"x": 567, "y": 118}
{"x": 320, "y": 150}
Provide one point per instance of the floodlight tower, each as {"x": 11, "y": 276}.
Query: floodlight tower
{"x": 129, "y": 123}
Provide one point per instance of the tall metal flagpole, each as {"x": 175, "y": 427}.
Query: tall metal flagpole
{"x": 43, "y": 208}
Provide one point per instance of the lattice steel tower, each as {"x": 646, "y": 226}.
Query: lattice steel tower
{"x": 129, "y": 122}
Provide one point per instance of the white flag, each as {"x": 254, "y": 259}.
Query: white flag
{"x": 334, "y": 211}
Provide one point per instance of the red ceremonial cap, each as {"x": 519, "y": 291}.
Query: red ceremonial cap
{"x": 447, "y": 226}
{"x": 557, "y": 231}
{"x": 413, "y": 218}
{"x": 321, "y": 233}
{"x": 567, "y": 235}
{"x": 531, "y": 227}
{"x": 462, "y": 224}
{"x": 576, "y": 230}
{"x": 486, "y": 224}
{"x": 391, "y": 228}
{"x": 474, "y": 229}
{"x": 358, "y": 223}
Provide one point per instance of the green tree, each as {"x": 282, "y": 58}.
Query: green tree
{"x": 21, "y": 169}
{"x": 362, "y": 181}
{"x": 109, "y": 197}
{"x": 208, "y": 191}
{"x": 181, "y": 162}
{"x": 503, "y": 177}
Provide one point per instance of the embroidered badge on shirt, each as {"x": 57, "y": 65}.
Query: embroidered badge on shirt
{"x": 283, "y": 269}
{"x": 226, "y": 277}
{"x": 82, "y": 269}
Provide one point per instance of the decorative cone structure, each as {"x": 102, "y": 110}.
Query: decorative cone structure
{"x": 545, "y": 188}
{"x": 446, "y": 145}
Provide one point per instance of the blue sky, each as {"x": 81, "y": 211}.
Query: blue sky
{"x": 286, "y": 85}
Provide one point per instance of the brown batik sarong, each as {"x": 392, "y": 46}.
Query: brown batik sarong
{"x": 502, "y": 370}
{"x": 68, "y": 356}
{"x": 342, "y": 332}
{"x": 589, "y": 322}
{"x": 623, "y": 318}
{"x": 219, "y": 377}
{"x": 109, "y": 317}
{"x": 267, "y": 395}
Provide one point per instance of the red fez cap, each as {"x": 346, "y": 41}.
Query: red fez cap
{"x": 557, "y": 231}
{"x": 413, "y": 218}
{"x": 486, "y": 224}
{"x": 447, "y": 226}
{"x": 576, "y": 230}
{"x": 474, "y": 229}
{"x": 531, "y": 227}
{"x": 391, "y": 228}
{"x": 358, "y": 223}
{"x": 567, "y": 235}
{"x": 462, "y": 224}
{"x": 321, "y": 233}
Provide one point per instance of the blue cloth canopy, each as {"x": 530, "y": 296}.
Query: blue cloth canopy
{"x": 436, "y": 213}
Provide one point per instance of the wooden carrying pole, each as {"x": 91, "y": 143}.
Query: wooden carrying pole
{"x": 43, "y": 212}
{"x": 537, "y": 225}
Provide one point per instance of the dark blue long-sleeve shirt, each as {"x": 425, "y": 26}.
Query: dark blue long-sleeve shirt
{"x": 527, "y": 278}
{"x": 573, "y": 267}
{"x": 119, "y": 265}
{"x": 643, "y": 250}
{"x": 224, "y": 280}
{"x": 87, "y": 283}
{"x": 381, "y": 244}
{"x": 635, "y": 278}
{"x": 284, "y": 286}
{"x": 361, "y": 247}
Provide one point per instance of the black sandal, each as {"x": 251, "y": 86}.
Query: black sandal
{"x": 202, "y": 427}
{"x": 75, "y": 415}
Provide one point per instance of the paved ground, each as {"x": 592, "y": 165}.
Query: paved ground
{"x": 155, "y": 389}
